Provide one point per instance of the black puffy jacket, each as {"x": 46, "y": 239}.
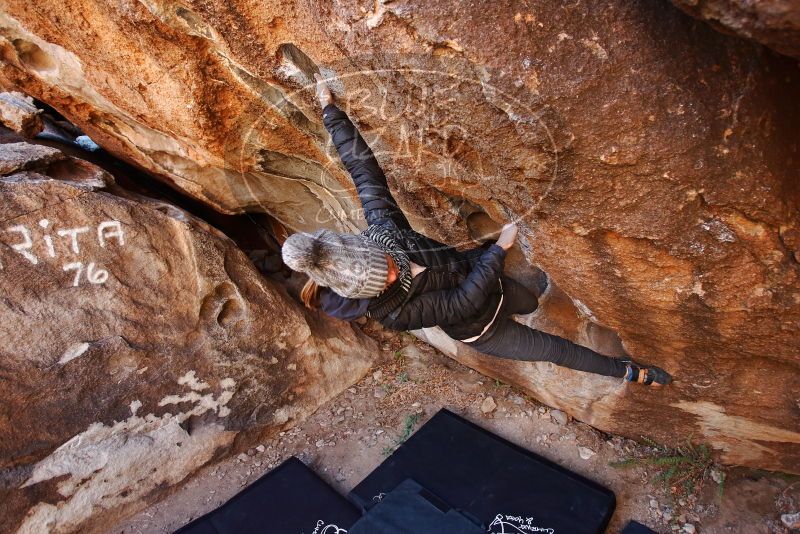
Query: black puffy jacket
{"x": 458, "y": 291}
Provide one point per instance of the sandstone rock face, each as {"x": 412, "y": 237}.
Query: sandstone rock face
{"x": 650, "y": 160}
{"x": 775, "y": 23}
{"x": 19, "y": 114}
{"x": 138, "y": 345}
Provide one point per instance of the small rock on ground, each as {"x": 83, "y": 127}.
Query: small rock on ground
{"x": 717, "y": 476}
{"x": 488, "y": 405}
{"x": 791, "y": 520}
{"x": 559, "y": 417}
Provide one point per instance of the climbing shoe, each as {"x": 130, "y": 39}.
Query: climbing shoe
{"x": 649, "y": 375}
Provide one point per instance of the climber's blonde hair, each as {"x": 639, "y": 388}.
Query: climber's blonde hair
{"x": 310, "y": 294}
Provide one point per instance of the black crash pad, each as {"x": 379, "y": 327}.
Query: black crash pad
{"x": 290, "y": 499}
{"x": 410, "y": 508}
{"x": 509, "y": 489}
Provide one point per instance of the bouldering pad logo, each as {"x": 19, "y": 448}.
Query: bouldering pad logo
{"x": 323, "y": 527}
{"x": 515, "y": 524}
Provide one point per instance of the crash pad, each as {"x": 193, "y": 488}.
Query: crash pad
{"x": 290, "y": 499}
{"x": 507, "y": 488}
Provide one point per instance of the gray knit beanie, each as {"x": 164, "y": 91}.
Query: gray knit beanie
{"x": 351, "y": 265}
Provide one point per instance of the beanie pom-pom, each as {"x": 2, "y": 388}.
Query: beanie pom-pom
{"x": 299, "y": 252}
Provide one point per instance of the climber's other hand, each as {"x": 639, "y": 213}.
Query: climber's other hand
{"x": 507, "y": 236}
{"x": 323, "y": 92}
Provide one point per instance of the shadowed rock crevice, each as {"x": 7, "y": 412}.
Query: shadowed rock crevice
{"x": 774, "y": 23}
{"x": 33, "y": 57}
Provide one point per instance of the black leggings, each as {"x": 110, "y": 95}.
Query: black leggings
{"x": 507, "y": 338}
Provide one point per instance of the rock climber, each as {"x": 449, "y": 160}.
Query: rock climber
{"x": 407, "y": 281}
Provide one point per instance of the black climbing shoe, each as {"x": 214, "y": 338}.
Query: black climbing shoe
{"x": 649, "y": 375}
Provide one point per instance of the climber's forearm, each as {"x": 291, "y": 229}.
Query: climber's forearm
{"x": 353, "y": 150}
{"x": 370, "y": 182}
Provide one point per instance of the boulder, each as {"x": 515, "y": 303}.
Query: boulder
{"x": 650, "y": 161}
{"x": 774, "y": 23}
{"x": 18, "y": 113}
{"x": 139, "y": 344}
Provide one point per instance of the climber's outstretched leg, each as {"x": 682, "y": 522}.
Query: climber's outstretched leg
{"x": 509, "y": 339}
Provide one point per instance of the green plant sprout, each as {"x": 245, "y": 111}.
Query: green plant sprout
{"x": 408, "y": 427}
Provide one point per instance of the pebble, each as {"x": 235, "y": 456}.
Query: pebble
{"x": 320, "y": 443}
{"x": 260, "y": 449}
{"x": 488, "y": 405}
{"x": 585, "y": 452}
{"x": 791, "y": 520}
{"x": 559, "y": 417}
{"x": 352, "y": 390}
{"x": 242, "y": 457}
{"x": 415, "y": 405}
{"x": 653, "y": 503}
{"x": 377, "y": 376}
{"x": 717, "y": 476}
{"x": 688, "y": 528}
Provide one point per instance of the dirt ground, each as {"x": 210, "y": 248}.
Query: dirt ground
{"x": 348, "y": 437}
